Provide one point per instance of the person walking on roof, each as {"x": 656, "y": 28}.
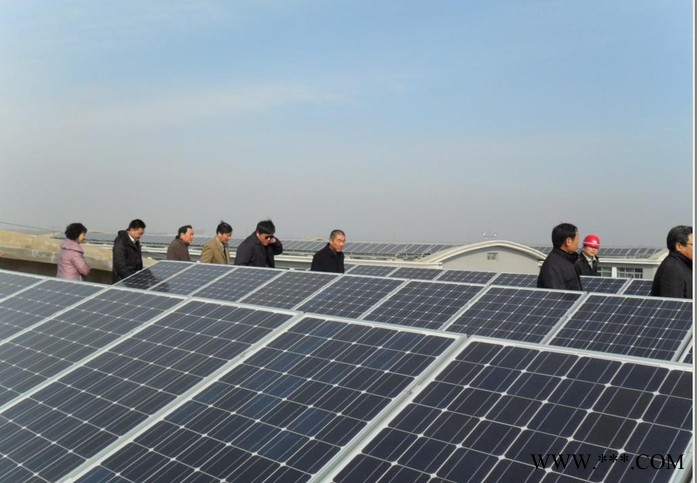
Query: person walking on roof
{"x": 179, "y": 247}
{"x": 587, "y": 263}
{"x": 71, "y": 260}
{"x": 216, "y": 249}
{"x": 260, "y": 248}
{"x": 674, "y": 277}
{"x": 126, "y": 252}
{"x": 559, "y": 268}
{"x": 331, "y": 257}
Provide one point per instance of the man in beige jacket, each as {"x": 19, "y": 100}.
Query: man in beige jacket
{"x": 216, "y": 249}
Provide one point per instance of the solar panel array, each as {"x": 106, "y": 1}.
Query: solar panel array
{"x": 112, "y": 384}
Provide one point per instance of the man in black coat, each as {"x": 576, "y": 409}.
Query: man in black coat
{"x": 558, "y": 270}
{"x": 260, "y": 248}
{"x": 331, "y": 257}
{"x": 126, "y": 252}
{"x": 674, "y": 277}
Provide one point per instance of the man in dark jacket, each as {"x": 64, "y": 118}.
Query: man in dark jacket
{"x": 126, "y": 252}
{"x": 179, "y": 247}
{"x": 331, "y": 257}
{"x": 587, "y": 263}
{"x": 260, "y": 248}
{"x": 559, "y": 270}
{"x": 674, "y": 277}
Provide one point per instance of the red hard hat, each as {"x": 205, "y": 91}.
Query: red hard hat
{"x": 592, "y": 241}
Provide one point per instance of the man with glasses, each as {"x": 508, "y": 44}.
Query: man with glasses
{"x": 674, "y": 277}
{"x": 260, "y": 248}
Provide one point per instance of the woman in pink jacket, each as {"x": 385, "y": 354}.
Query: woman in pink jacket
{"x": 71, "y": 262}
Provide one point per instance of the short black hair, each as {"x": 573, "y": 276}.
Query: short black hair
{"x": 74, "y": 230}
{"x": 678, "y": 234}
{"x": 136, "y": 224}
{"x": 182, "y": 230}
{"x": 265, "y": 227}
{"x": 561, "y": 232}
{"x": 224, "y": 228}
{"x": 335, "y": 233}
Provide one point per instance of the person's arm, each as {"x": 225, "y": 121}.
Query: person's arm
{"x": 81, "y": 265}
{"x": 277, "y": 247}
{"x": 671, "y": 285}
{"x": 316, "y": 265}
{"x": 119, "y": 260}
{"x": 207, "y": 253}
{"x": 552, "y": 278}
{"x": 244, "y": 254}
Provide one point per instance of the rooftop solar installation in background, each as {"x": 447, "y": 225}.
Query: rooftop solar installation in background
{"x": 644, "y": 327}
{"x": 602, "y": 284}
{"x": 284, "y": 412}
{"x": 515, "y": 313}
{"x": 638, "y": 287}
{"x": 71, "y": 420}
{"x": 192, "y": 279}
{"x": 495, "y": 408}
{"x": 153, "y": 275}
{"x": 289, "y": 289}
{"x": 33, "y": 305}
{"x": 424, "y": 304}
{"x": 416, "y": 273}
{"x": 13, "y": 282}
{"x": 350, "y": 296}
{"x": 371, "y": 270}
{"x": 516, "y": 280}
{"x": 465, "y": 276}
{"x": 49, "y": 348}
{"x": 238, "y": 283}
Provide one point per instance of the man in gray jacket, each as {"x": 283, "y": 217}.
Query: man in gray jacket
{"x": 179, "y": 247}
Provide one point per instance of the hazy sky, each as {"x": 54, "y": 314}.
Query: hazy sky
{"x": 395, "y": 120}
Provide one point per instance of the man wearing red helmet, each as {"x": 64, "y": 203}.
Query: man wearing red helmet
{"x": 587, "y": 263}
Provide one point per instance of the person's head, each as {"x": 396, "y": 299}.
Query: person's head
{"x": 337, "y": 240}
{"x": 565, "y": 236}
{"x": 76, "y": 232}
{"x": 591, "y": 245}
{"x": 224, "y": 232}
{"x": 265, "y": 231}
{"x": 136, "y": 229}
{"x": 186, "y": 234}
{"x": 680, "y": 239}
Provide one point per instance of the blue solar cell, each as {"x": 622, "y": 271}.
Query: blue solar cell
{"x": 490, "y": 413}
{"x": 644, "y": 327}
{"x": 153, "y": 275}
{"x": 350, "y": 296}
{"x": 238, "y": 283}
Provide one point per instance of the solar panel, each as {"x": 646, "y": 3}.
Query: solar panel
{"x": 32, "y": 357}
{"x": 638, "y": 326}
{"x": 284, "y": 412}
{"x": 33, "y": 305}
{"x": 12, "y": 282}
{"x": 424, "y": 304}
{"x": 417, "y": 273}
{"x": 350, "y": 296}
{"x": 688, "y": 359}
{"x": 371, "y": 270}
{"x": 602, "y": 284}
{"x": 516, "y": 280}
{"x": 186, "y": 282}
{"x": 238, "y": 283}
{"x": 638, "y": 287}
{"x": 465, "y": 276}
{"x": 94, "y": 405}
{"x": 153, "y": 275}
{"x": 515, "y": 313}
{"x": 494, "y": 410}
{"x": 289, "y": 289}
